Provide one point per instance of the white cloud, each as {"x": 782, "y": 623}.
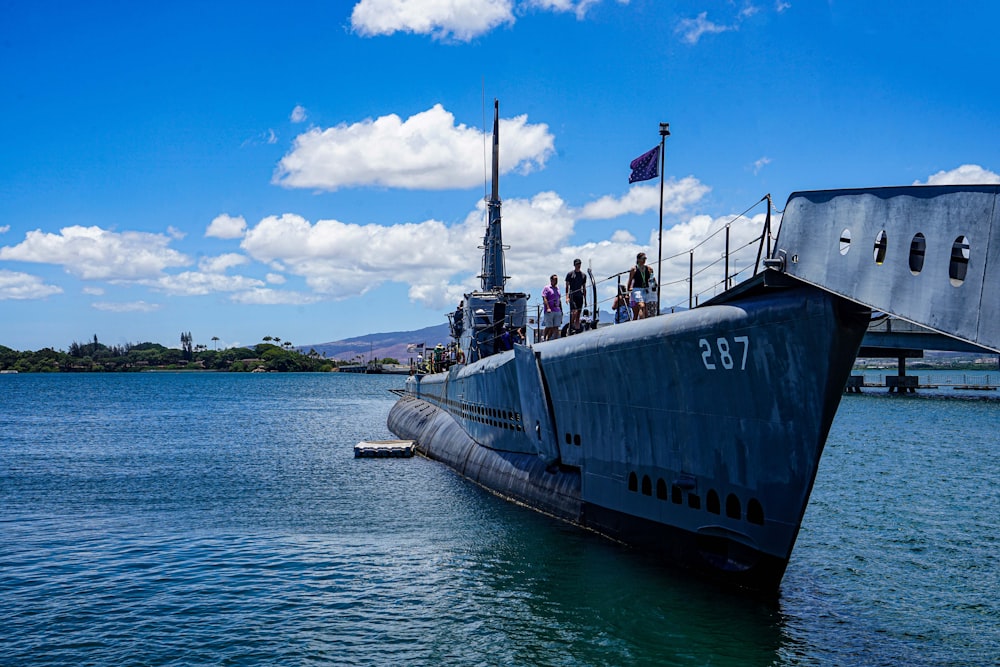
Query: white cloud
{"x": 298, "y": 114}
{"x": 93, "y": 291}
{"x": 460, "y": 20}
{"x": 452, "y": 20}
{"x": 221, "y": 263}
{"x": 196, "y": 283}
{"x": 267, "y": 137}
{"x": 17, "y": 285}
{"x": 339, "y": 260}
{"x": 677, "y": 196}
{"x": 93, "y": 253}
{"x": 540, "y": 246}
{"x": 4, "y": 229}
{"x": 426, "y": 151}
{"x": 691, "y": 30}
{"x": 780, "y": 6}
{"x": 342, "y": 260}
{"x": 760, "y": 164}
{"x": 126, "y": 307}
{"x": 578, "y": 7}
{"x": 226, "y": 226}
{"x": 967, "y": 174}
{"x": 267, "y": 297}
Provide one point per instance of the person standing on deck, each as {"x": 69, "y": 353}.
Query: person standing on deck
{"x": 639, "y": 277}
{"x": 576, "y": 295}
{"x": 552, "y": 307}
{"x": 457, "y": 323}
{"x": 623, "y": 312}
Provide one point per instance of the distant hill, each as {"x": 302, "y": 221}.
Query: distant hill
{"x": 393, "y": 344}
{"x": 381, "y": 345}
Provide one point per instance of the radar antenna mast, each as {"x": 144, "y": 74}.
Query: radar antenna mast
{"x": 493, "y": 276}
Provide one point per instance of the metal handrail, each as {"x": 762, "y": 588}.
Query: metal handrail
{"x": 729, "y": 256}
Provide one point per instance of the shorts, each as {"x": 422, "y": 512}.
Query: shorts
{"x": 576, "y": 302}
{"x": 552, "y": 319}
{"x": 638, "y": 296}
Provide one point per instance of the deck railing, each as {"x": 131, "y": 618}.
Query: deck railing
{"x": 722, "y": 259}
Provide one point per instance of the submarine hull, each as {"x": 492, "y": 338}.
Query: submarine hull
{"x": 695, "y": 436}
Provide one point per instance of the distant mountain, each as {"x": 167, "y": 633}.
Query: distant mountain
{"x": 382, "y": 345}
{"x": 393, "y": 344}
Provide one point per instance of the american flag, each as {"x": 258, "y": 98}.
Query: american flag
{"x": 646, "y": 166}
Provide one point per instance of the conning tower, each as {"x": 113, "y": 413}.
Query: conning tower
{"x": 491, "y": 310}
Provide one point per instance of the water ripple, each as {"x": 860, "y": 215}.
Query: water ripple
{"x": 215, "y": 519}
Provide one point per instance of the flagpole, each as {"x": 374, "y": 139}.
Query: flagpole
{"x": 664, "y": 133}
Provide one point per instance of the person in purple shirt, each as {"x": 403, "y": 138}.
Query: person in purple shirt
{"x": 552, "y": 307}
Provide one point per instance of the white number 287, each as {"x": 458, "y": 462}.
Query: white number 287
{"x": 723, "y": 352}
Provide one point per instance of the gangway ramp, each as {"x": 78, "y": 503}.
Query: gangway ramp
{"x": 926, "y": 254}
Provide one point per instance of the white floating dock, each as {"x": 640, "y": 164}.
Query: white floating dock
{"x": 376, "y": 449}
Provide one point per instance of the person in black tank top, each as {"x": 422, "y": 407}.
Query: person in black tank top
{"x": 638, "y": 285}
{"x": 576, "y": 295}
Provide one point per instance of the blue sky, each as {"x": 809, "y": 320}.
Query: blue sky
{"x": 315, "y": 171}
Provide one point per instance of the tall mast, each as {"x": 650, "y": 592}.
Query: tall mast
{"x": 493, "y": 261}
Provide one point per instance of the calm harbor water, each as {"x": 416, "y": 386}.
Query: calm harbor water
{"x": 221, "y": 519}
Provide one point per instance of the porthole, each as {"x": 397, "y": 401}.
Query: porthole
{"x": 918, "y": 247}
{"x": 661, "y": 489}
{"x": 881, "y": 244}
{"x": 845, "y": 241}
{"x": 712, "y": 502}
{"x": 633, "y": 482}
{"x": 569, "y": 439}
{"x": 733, "y": 506}
{"x": 755, "y": 513}
{"x": 694, "y": 501}
{"x": 676, "y": 495}
{"x": 576, "y": 439}
{"x": 959, "y": 266}
{"x": 647, "y": 486}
